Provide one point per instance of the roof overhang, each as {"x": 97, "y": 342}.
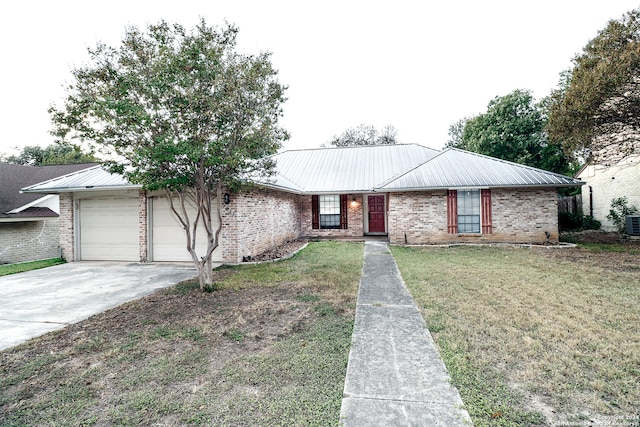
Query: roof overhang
{"x": 401, "y": 190}
{"x": 54, "y": 190}
{"x": 34, "y": 203}
{"x": 5, "y": 219}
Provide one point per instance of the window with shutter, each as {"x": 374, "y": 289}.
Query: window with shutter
{"x": 469, "y": 211}
{"x": 487, "y": 221}
{"x": 329, "y": 211}
{"x": 452, "y": 211}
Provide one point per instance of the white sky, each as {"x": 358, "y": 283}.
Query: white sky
{"x": 419, "y": 66}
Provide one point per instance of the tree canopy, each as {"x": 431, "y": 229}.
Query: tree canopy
{"x": 365, "y": 135}
{"x": 178, "y": 110}
{"x": 53, "y": 154}
{"x": 511, "y": 129}
{"x": 600, "y": 96}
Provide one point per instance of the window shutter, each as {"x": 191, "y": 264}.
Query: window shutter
{"x": 485, "y": 207}
{"x": 315, "y": 212}
{"x": 452, "y": 211}
{"x": 343, "y": 211}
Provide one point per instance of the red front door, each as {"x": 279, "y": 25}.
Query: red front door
{"x": 376, "y": 214}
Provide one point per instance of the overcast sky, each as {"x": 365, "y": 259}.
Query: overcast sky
{"x": 419, "y": 66}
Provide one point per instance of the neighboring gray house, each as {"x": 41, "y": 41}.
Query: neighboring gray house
{"x": 410, "y": 193}
{"x": 29, "y": 221}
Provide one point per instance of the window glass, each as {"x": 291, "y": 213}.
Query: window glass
{"x": 468, "y": 211}
{"x": 329, "y": 210}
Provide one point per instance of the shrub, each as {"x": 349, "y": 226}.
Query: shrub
{"x": 576, "y": 222}
{"x": 619, "y": 211}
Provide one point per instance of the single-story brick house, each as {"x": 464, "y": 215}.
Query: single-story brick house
{"x": 410, "y": 193}
{"x": 29, "y": 221}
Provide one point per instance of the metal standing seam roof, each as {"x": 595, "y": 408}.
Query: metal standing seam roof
{"x": 347, "y": 169}
{"x": 92, "y": 178}
{"x": 385, "y": 168}
{"x": 457, "y": 168}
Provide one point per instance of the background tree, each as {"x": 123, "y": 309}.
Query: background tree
{"x": 600, "y": 96}
{"x": 456, "y": 132}
{"x": 365, "y": 135}
{"x": 513, "y": 129}
{"x": 182, "y": 112}
{"x": 53, "y": 154}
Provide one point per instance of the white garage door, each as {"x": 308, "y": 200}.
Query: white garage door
{"x": 109, "y": 229}
{"x": 168, "y": 240}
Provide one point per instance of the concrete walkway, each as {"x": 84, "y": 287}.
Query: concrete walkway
{"x": 395, "y": 376}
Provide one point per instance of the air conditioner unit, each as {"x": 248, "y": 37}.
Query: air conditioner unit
{"x": 633, "y": 225}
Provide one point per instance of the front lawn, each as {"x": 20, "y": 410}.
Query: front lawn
{"x": 534, "y": 337}
{"x": 268, "y": 347}
{"x": 27, "y": 266}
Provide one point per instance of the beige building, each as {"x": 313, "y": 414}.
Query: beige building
{"x": 615, "y": 173}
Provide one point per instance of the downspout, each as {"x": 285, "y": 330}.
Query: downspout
{"x": 591, "y": 201}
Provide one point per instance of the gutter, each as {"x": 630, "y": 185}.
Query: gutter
{"x": 400, "y": 190}
{"x": 85, "y": 188}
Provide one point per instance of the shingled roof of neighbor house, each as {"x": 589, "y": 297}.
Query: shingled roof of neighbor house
{"x": 383, "y": 168}
{"x": 17, "y": 205}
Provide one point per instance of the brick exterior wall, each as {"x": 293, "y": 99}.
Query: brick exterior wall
{"x": 256, "y": 220}
{"x": 29, "y": 241}
{"x": 143, "y": 246}
{"x": 66, "y": 226}
{"x": 519, "y": 216}
{"x": 354, "y": 219}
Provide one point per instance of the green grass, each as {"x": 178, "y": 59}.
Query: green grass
{"x": 530, "y": 338}
{"x": 269, "y": 347}
{"x": 7, "y": 269}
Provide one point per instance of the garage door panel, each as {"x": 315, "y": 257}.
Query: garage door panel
{"x": 109, "y": 229}
{"x": 169, "y": 242}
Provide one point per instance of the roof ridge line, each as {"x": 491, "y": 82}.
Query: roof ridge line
{"x": 351, "y": 147}
{"x": 395, "y": 178}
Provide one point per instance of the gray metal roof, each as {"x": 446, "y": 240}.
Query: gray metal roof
{"x": 457, "y": 168}
{"x": 93, "y": 178}
{"x": 383, "y": 168}
{"x": 348, "y": 169}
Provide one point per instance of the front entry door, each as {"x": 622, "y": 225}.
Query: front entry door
{"x": 376, "y": 214}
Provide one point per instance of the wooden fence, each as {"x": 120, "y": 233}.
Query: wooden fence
{"x": 570, "y": 204}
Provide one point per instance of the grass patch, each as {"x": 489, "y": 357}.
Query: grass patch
{"x": 530, "y": 337}
{"x": 607, "y": 247}
{"x": 235, "y": 334}
{"x": 257, "y": 351}
{"x": 7, "y": 269}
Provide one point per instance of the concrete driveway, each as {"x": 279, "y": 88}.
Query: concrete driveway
{"x": 40, "y": 301}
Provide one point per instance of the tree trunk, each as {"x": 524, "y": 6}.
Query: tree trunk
{"x": 202, "y": 197}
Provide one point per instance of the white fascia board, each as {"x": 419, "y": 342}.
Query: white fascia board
{"x": 32, "y": 204}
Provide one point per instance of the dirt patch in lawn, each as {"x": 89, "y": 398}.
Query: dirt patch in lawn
{"x": 610, "y": 250}
{"x": 280, "y": 251}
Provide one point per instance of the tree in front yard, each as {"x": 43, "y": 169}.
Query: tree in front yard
{"x": 179, "y": 111}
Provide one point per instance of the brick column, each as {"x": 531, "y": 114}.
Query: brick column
{"x": 65, "y": 224}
